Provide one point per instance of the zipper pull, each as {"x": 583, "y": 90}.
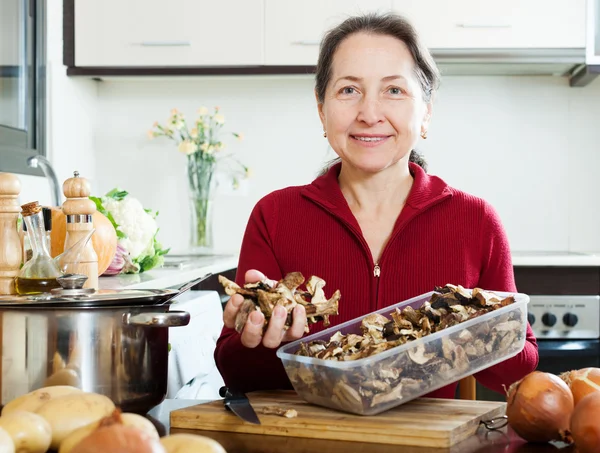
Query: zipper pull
{"x": 376, "y": 270}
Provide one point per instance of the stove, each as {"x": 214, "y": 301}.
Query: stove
{"x": 565, "y": 317}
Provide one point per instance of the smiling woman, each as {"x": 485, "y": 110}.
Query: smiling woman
{"x": 374, "y": 225}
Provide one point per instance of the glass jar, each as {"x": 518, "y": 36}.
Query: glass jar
{"x": 38, "y": 274}
{"x": 27, "y": 250}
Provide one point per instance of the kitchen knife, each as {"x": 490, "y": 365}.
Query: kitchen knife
{"x": 239, "y": 404}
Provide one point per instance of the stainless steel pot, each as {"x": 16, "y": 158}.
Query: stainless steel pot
{"x": 114, "y": 346}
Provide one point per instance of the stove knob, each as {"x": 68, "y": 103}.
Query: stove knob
{"x": 549, "y": 319}
{"x": 530, "y": 318}
{"x": 570, "y": 319}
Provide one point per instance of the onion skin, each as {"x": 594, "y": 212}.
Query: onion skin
{"x": 117, "y": 438}
{"x": 585, "y": 424}
{"x": 582, "y": 382}
{"x": 539, "y": 408}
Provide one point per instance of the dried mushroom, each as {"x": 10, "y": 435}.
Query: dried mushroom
{"x": 265, "y": 296}
{"x": 380, "y": 384}
{"x": 274, "y": 410}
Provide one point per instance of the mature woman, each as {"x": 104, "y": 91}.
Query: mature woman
{"x": 375, "y": 225}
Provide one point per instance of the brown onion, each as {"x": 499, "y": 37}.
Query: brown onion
{"x": 117, "y": 438}
{"x": 582, "y": 382}
{"x": 585, "y": 424}
{"x": 539, "y": 408}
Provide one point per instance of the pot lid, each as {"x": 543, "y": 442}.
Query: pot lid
{"x": 104, "y": 297}
{"x": 73, "y": 295}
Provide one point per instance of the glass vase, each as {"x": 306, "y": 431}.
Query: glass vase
{"x": 201, "y": 186}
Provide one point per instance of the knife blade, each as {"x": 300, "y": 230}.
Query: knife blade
{"x": 239, "y": 404}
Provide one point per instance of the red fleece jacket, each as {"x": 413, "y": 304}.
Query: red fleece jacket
{"x": 442, "y": 235}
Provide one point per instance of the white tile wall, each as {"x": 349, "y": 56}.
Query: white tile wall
{"x": 526, "y": 144}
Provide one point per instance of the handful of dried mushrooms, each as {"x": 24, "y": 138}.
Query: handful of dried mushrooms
{"x": 263, "y": 296}
{"x": 378, "y": 385}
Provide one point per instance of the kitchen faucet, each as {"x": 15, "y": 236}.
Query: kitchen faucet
{"x": 44, "y": 164}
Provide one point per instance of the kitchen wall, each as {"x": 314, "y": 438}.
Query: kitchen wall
{"x": 526, "y": 144}
{"x": 71, "y": 111}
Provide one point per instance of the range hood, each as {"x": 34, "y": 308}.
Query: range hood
{"x": 534, "y": 62}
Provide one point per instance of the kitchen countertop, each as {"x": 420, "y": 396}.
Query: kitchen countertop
{"x": 555, "y": 258}
{"x": 483, "y": 441}
{"x": 171, "y": 275}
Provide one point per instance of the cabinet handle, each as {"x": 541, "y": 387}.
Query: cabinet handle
{"x": 165, "y": 43}
{"x": 484, "y": 25}
{"x": 306, "y": 43}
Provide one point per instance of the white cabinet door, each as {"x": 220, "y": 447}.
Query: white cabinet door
{"x": 462, "y": 24}
{"x": 293, "y": 29}
{"x": 174, "y": 33}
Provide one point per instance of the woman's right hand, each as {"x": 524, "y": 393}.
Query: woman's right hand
{"x": 252, "y": 334}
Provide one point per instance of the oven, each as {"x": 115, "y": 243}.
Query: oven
{"x": 567, "y": 329}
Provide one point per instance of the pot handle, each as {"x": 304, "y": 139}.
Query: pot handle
{"x": 167, "y": 319}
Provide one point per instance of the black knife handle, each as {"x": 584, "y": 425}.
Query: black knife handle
{"x": 225, "y": 393}
{"x": 230, "y": 395}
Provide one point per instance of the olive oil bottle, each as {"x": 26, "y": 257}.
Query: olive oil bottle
{"x": 38, "y": 275}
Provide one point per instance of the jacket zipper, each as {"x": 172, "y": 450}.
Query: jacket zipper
{"x": 376, "y": 266}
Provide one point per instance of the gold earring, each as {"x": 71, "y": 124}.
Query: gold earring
{"x": 424, "y": 135}
{"x": 324, "y": 134}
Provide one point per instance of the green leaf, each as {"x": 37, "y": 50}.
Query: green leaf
{"x": 117, "y": 194}
{"x": 102, "y": 210}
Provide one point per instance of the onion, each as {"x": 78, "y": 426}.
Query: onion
{"x": 539, "y": 408}
{"x": 117, "y": 438}
{"x": 585, "y": 424}
{"x": 582, "y": 382}
{"x": 118, "y": 261}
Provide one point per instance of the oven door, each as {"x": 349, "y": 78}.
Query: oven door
{"x": 556, "y": 356}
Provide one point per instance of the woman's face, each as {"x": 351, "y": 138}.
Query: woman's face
{"x": 373, "y": 110}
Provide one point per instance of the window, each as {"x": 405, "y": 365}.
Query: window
{"x": 22, "y": 83}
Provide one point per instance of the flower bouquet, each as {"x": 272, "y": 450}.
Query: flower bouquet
{"x": 201, "y": 142}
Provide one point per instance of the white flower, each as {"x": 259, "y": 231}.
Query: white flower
{"x": 204, "y": 146}
{"x": 202, "y": 111}
{"x": 139, "y": 226}
{"x": 194, "y": 133}
{"x": 219, "y": 118}
{"x": 187, "y": 147}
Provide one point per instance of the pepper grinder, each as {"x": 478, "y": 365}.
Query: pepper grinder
{"x": 11, "y": 253}
{"x": 79, "y": 209}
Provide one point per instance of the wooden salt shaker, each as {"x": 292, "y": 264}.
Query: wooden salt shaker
{"x": 79, "y": 209}
{"x": 11, "y": 253}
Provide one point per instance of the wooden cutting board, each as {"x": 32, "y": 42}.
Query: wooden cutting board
{"x": 423, "y": 422}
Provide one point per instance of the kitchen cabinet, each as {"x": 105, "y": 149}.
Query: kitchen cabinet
{"x": 293, "y": 30}
{"x": 179, "y": 33}
{"x": 508, "y": 24}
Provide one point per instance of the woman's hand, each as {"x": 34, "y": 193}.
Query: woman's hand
{"x": 275, "y": 334}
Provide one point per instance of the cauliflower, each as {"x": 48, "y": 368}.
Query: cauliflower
{"x": 138, "y": 226}
{"x": 136, "y": 230}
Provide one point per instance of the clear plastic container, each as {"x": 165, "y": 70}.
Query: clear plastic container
{"x": 374, "y": 384}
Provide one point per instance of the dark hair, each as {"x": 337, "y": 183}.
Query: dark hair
{"x": 388, "y": 24}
